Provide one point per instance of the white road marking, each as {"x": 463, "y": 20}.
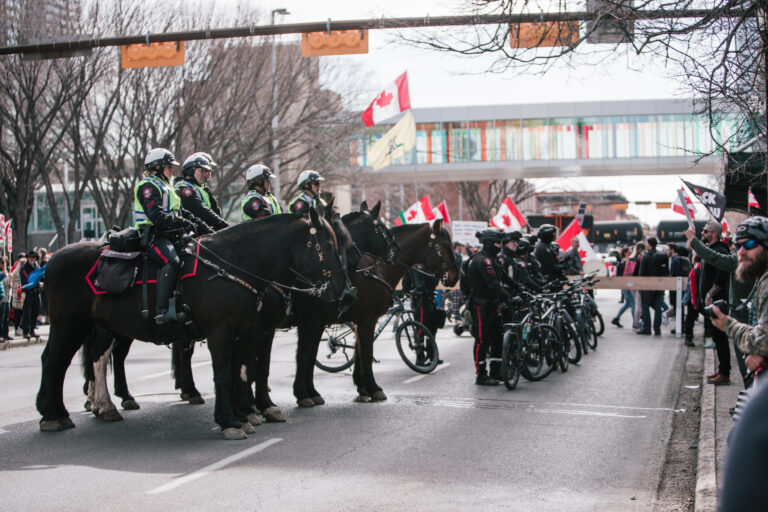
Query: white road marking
{"x": 619, "y": 407}
{"x": 3, "y": 431}
{"x": 213, "y": 467}
{"x": 419, "y": 377}
{"x": 168, "y": 372}
{"x": 586, "y": 413}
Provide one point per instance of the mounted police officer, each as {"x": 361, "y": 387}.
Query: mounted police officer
{"x": 162, "y": 220}
{"x": 309, "y": 194}
{"x": 195, "y": 196}
{"x": 485, "y": 279}
{"x": 259, "y": 202}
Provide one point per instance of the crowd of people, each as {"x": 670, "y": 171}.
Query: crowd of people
{"x": 21, "y": 300}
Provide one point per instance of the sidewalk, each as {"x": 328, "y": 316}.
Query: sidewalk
{"x": 20, "y": 341}
{"x": 715, "y": 418}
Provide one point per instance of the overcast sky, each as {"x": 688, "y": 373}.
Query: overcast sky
{"x": 438, "y": 79}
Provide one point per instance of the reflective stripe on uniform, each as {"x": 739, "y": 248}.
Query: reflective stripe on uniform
{"x": 271, "y": 201}
{"x": 200, "y": 191}
{"x": 171, "y": 203}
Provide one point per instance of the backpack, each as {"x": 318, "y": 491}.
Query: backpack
{"x": 629, "y": 267}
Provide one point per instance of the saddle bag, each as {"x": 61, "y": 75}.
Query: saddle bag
{"x": 116, "y": 271}
{"x": 126, "y": 240}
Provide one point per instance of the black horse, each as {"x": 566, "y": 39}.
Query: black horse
{"x": 223, "y": 308}
{"x": 375, "y": 280}
{"x": 372, "y": 240}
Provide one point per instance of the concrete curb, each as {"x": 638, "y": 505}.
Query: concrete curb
{"x": 25, "y": 343}
{"x": 706, "y": 466}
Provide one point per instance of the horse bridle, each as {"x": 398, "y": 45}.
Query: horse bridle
{"x": 433, "y": 243}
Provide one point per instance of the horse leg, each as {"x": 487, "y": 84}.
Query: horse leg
{"x": 363, "y": 373}
{"x": 305, "y": 363}
{"x": 119, "y": 354}
{"x": 87, "y": 366}
{"x": 101, "y": 403}
{"x": 313, "y": 344}
{"x": 262, "y": 400}
{"x": 64, "y": 341}
{"x": 221, "y": 347}
{"x": 182, "y": 373}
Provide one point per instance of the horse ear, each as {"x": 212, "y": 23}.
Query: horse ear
{"x": 314, "y": 218}
{"x": 364, "y": 206}
{"x": 437, "y": 226}
{"x": 376, "y": 209}
{"x": 329, "y": 209}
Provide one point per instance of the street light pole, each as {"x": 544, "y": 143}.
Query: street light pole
{"x": 275, "y": 143}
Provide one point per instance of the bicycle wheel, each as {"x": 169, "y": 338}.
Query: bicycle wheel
{"x": 581, "y": 330}
{"x": 511, "y": 364}
{"x": 569, "y": 332}
{"x": 417, "y": 346}
{"x": 539, "y": 352}
{"x": 597, "y": 319}
{"x": 591, "y": 333}
{"x": 337, "y": 348}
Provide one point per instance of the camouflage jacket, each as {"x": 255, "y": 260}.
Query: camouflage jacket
{"x": 749, "y": 339}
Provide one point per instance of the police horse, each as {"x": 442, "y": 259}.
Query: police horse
{"x": 369, "y": 236}
{"x": 375, "y": 280}
{"x": 230, "y": 271}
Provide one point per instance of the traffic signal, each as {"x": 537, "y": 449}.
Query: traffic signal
{"x": 152, "y": 55}
{"x": 544, "y": 34}
{"x": 335, "y": 42}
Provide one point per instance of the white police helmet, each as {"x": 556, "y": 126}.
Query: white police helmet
{"x": 307, "y": 177}
{"x": 159, "y": 157}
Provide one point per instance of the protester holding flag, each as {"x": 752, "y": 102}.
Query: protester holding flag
{"x": 419, "y": 212}
{"x": 572, "y": 260}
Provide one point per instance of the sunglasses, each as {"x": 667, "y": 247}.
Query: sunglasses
{"x": 746, "y": 244}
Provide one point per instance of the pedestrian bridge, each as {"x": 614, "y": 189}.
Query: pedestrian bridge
{"x": 611, "y": 138}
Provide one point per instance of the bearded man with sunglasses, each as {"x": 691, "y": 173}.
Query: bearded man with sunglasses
{"x": 738, "y": 292}
{"x": 752, "y": 251}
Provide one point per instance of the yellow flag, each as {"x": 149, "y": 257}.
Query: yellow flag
{"x": 400, "y": 139}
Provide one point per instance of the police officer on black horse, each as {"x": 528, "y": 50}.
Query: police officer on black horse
{"x": 195, "y": 195}
{"x": 259, "y": 201}
{"x": 485, "y": 280}
{"x": 309, "y": 194}
{"x": 162, "y": 220}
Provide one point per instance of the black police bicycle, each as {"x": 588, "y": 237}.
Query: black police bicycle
{"x": 415, "y": 343}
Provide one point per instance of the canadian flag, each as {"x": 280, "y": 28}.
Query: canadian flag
{"x": 418, "y": 212}
{"x": 677, "y": 206}
{"x": 9, "y": 236}
{"x": 574, "y": 231}
{"x": 391, "y": 101}
{"x": 509, "y": 217}
{"x": 751, "y": 200}
{"x": 441, "y": 212}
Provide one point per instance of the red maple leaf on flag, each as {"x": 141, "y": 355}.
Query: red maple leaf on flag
{"x": 507, "y": 220}
{"x": 384, "y": 99}
{"x": 411, "y": 214}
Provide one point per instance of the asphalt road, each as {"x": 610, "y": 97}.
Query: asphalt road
{"x": 591, "y": 439}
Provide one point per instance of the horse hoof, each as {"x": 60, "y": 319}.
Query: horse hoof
{"x": 129, "y": 405}
{"x": 363, "y": 399}
{"x": 233, "y": 434}
{"x": 254, "y": 420}
{"x": 274, "y": 414}
{"x": 378, "y": 396}
{"x": 185, "y": 396}
{"x": 305, "y": 402}
{"x": 56, "y": 425}
{"x": 248, "y": 428}
{"x": 196, "y": 400}
{"x": 111, "y": 415}
{"x": 318, "y": 400}
{"x": 87, "y": 405}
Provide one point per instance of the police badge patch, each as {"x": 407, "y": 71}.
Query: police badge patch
{"x": 255, "y": 204}
{"x": 147, "y": 191}
{"x": 186, "y": 192}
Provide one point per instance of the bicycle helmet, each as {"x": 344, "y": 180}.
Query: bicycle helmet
{"x": 207, "y": 156}
{"x": 306, "y": 178}
{"x": 257, "y": 173}
{"x": 755, "y": 228}
{"x": 512, "y": 235}
{"x": 196, "y": 161}
{"x": 490, "y": 235}
{"x": 547, "y": 232}
{"x": 523, "y": 246}
{"x": 159, "y": 157}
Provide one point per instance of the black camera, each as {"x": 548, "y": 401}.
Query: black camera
{"x": 721, "y": 304}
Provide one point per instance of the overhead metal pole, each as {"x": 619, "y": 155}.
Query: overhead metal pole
{"x": 81, "y": 43}
{"x": 275, "y": 141}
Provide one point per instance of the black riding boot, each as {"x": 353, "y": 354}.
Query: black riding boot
{"x": 166, "y": 309}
